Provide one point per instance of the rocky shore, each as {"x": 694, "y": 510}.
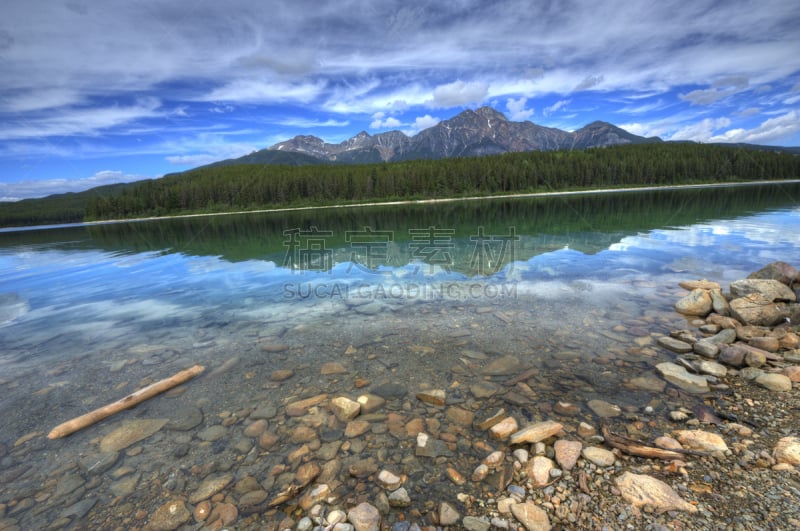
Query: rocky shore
{"x": 716, "y": 446}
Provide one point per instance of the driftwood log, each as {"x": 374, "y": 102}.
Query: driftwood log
{"x": 634, "y": 447}
{"x": 84, "y": 421}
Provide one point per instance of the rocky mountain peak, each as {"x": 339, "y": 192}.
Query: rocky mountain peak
{"x": 483, "y": 131}
{"x": 491, "y": 114}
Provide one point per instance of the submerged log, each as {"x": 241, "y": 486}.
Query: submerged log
{"x": 137, "y": 397}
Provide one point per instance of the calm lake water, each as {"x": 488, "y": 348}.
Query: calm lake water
{"x": 415, "y": 296}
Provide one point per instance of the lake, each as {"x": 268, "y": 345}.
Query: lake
{"x": 564, "y": 292}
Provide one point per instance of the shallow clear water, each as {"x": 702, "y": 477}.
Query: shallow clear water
{"x": 423, "y": 296}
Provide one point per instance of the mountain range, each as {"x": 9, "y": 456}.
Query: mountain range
{"x": 471, "y": 133}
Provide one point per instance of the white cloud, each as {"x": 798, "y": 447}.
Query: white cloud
{"x": 637, "y": 128}
{"x": 644, "y": 108}
{"x": 222, "y": 109}
{"x": 305, "y": 122}
{"x": 63, "y": 77}
{"x": 517, "y": 110}
{"x": 459, "y": 93}
{"x": 204, "y": 149}
{"x": 369, "y": 100}
{"x": 560, "y": 104}
{"x": 381, "y": 121}
{"x": 701, "y": 131}
{"x": 80, "y": 121}
{"x": 769, "y": 131}
{"x": 421, "y": 123}
{"x": 258, "y": 91}
{"x": 45, "y": 187}
{"x": 39, "y": 99}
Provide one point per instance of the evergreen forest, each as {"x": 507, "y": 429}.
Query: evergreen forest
{"x": 241, "y": 187}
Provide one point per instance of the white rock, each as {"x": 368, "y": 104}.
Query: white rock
{"x": 640, "y": 489}
{"x": 534, "y": 518}
{"x": 536, "y": 432}
{"x": 788, "y": 450}
{"x": 344, "y": 408}
{"x": 598, "y": 456}
{"x": 701, "y": 440}
{"x": 388, "y": 480}
{"x": 538, "y": 470}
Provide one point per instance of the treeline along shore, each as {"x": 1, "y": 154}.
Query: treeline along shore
{"x": 224, "y": 188}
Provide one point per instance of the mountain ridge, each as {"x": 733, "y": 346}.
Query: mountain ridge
{"x": 484, "y": 131}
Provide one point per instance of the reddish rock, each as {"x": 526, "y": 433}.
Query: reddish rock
{"x": 567, "y": 453}
{"x": 780, "y": 271}
{"x": 770, "y": 344}
{"x": 267, "y": 440}
{"x": 299, "y": 408}
{"x": 793, "y": 373}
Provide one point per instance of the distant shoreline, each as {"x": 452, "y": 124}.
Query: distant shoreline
{"x": 412, "y": 202}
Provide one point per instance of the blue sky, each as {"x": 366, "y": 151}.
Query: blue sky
{"x": 94, "y": 92}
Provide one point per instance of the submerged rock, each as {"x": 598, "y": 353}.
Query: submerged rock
{"x": 675, "y": 345}
{"x": 435, "y": 397}
{"x": 185, "y": 418}
{"x": 448, "y": 514}
{"x": 130, "y": 432}
{"x": 604, "y": 409}
{"x": 681, "y": 378}
{"x": 428, "y": 446}
{"x": 536, "y": 432}
{"x": 169, "y": 516}
{"x": 345, "y": 409}
{"x": 399, "y": 498}
{"x": 504, "y": 429}
{"x": 210, "y": 486}
{"x": 502, "y": 366}
{"x": 364, "y": 517}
